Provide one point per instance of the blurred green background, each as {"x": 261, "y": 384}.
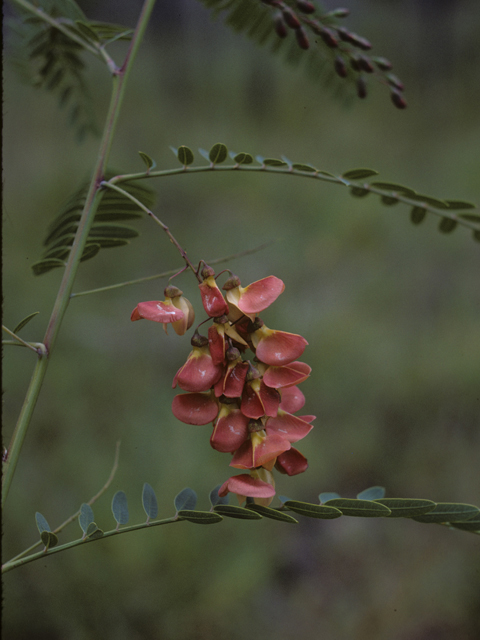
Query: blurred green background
{"x": 390, "y": 311}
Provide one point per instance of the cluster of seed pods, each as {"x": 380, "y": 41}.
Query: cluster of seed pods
{"x": 348, "y": 48}
{"x": 250, "y": 400}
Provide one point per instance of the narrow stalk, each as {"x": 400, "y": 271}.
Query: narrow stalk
{"x": 77, "y": 513}
{"x": 172, "y": 272}
{"x": 8, "y": 566}
{"x": 22, "y": 342}
{"x": 91, "y": 204}
{"x": 173, "y": 240}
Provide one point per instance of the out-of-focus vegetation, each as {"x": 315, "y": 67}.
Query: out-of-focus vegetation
{"x": 391, "y": 313}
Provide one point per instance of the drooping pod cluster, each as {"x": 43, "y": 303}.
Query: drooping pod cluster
{"x": 243, "y": 378}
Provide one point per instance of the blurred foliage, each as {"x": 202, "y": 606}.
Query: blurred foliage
{"x": 390, "y": 311}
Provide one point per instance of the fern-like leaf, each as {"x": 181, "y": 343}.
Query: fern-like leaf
{"x": 303, "y": 31}
{"x": 107, "y": 231}
{"x": 50, "y": 57}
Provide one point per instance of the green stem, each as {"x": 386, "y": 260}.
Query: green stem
{"x": 91, "y": 204}
{"x": 13, "y": 564}
{"x": 316, "y": 175}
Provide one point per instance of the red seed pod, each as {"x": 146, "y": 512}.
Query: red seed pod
{"x": 394, "y": 81}
{"x": 353, "y": 38}
{"x": 361, "y": 43}
{"x": 302, "y": 39}
{"x": 290, "y": 18}
{"x": 305, "y": 6}
{"x": 340, "y": 67}
{"x": 398, "y": 99}
{"x": 365, "y": 64}
{"x": 280, "y": 26}
{"x": 355, "y": 63}
{"x": 339, "y": 13}
{"x": 328, "y": 36}
{"x": 383, "y": 63}
{"x": 361, "y": 87}
{"x": 344, "y": 34}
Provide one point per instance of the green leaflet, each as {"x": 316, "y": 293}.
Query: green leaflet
{"x": 49, "y": 539}
{"x": 43, "y": 266}
{"x": 25, "y": 321}
{"x": 359, "y": 174}
{"x": 215, "y": 498}
{"x": 218, "y": 153}
{"x": 231, "y": 511}
{"x": 449, "y": 512}
{"x": 274, "y": 514}
{"x": 243, "y": 158}
{"x": 359, "y": 192}
{"x": 42, "y": 524}
{"x": 85, "y": 518}
{"x": 185, "y": 155}
{"x": 372, "y": 493}
{"x": 447, "y": 225}
{"x": 93, "y": 531}
{"x": 120, "y": 508}
{"x": 359, "y": 508}
{"x": 199, "y": 517}
{"x": 313, "y": 510}
{"x": 185, "y": 500}
{"x": 149, "y": 501}
{"x": 150, "y": 164}
{"x": 303, "y": 167}
{"x": 417, "y": 215}
{"x": 392, "y": 186}
{"x": 406, "y": 507}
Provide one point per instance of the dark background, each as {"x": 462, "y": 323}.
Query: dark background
{"x": 390, "y": 311}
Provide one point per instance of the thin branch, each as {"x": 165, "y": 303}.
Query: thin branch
{"x": 75, "y": 515}
{"x": 172, "y": 272}
{"x": 39, "y": 350}
{"x": 173, "y": 240}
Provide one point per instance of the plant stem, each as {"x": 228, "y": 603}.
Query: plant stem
{"x": 38, "y": 350}
{"x": 91, "y": 204}
{"x": 173, "y": 240}
{"x": 442, "y": 212}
